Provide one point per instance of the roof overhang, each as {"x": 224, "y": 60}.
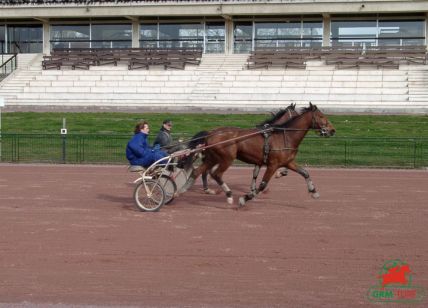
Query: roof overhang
{"x": 290, "y": 7}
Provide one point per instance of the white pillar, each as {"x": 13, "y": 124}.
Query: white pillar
{"x": 326, "y": 26}
{"x": 135, "y": 34}
{"x": 228, "y": 40}
{"x": 46, "y": 38}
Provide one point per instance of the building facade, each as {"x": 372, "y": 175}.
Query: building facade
{"x": 35, "y": 26}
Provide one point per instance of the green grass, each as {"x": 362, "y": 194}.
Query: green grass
{"x": 362, "y": 140}
{"x": 123, "y": 123}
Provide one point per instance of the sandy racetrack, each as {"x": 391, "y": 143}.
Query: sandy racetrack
{"x": 71, "y": 235}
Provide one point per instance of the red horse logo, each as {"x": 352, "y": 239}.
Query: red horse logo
{"x": 396, "y": 275}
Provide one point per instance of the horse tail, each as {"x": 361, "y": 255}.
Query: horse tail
{"x": 197, "y": 140}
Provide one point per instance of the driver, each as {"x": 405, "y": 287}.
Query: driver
{"x": 138, "y": 151}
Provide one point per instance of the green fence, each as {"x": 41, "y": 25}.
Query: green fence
{"x": 314, "y": 151}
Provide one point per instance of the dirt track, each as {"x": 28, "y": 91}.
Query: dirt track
{"x": 70, "y": 235}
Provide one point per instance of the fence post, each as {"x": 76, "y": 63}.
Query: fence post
{"x": 346, "y": 153}
{"x": 17, "y": 148}
{"x": 64, "y": 141}
{"x": 414, "y": 154}
{"x": 64, "y": 148}
{"x": 14, "y": 148}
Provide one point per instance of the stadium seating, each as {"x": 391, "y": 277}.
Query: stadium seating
{"x": 340, "y": 57}
{"x": 221, "y": 82}
{"x": 135, "y": 58}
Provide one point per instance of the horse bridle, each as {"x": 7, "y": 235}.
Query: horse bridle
{"x": 323, "y": 129}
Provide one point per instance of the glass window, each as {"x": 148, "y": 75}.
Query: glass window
{"x": 25, "y": 38}
{"x": 374, "y": 32}
{"x": 215, "y": 34}
{"x": 401, "y": 32}
{"x": 2, "y": 42}
{"x": 149, "y": 35}
{"x": 353, "y": 33}
{"x": 181, "y": 35}
{"x": 290, "y": 29}
{"x": 270, "y": 35}
{"x": 289, "y": 34}
{"x": 70, "y": 36}
{"x": 242, "y": 37}
{"x": 312, "y": 32}
{"x": 111, "y": 35}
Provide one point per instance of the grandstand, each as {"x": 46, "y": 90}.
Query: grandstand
{"x": 344, "y": 56}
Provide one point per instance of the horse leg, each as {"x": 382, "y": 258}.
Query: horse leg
{"x": 254, "y": 180}
{"x": 217, "y": 175}
{"x": 207, "y": 190}
{"x": 202, "y": 169}
{"x": 270, "y": 170}
{"x": 311, "y": 187}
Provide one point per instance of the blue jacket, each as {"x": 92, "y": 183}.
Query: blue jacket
{"x": 138, "y": 151}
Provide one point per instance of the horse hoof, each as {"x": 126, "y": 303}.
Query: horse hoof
{"x": 315, "y": 195}
{"x": 230, "y": 200}
{"x": 210, "y": 191}
{"x": 280, "y": 173}
{"x": 241, "y": 201}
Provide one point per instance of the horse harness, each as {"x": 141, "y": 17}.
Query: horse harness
{"x": 267, "y": 133}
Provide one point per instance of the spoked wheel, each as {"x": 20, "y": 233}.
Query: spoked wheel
{"x": 149, "y": 197}
{"x": 169, "y": 187}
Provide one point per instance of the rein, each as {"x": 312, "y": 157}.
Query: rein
{"x": 203, "y": 148}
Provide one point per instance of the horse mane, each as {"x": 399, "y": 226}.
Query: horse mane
{"x": 300, "y": 112}
{"x": 275, "y": 116}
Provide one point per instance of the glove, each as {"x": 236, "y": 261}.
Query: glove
{"x": 156, "y": 147}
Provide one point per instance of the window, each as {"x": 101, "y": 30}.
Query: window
{"x": 214, "y": 37}
{"x": 70, "y": 36}
{"x": 312, "y": 32}
{"x": 111, "y": 35}
{"x": 181, "y": 35}
{"x": 288, "y": 34}
{"x": 172, "y": 35}
{"x": 2, "y": 41}
{"x": 25, "y": 38}
{"x": 243, "y": 37}
{"x": 401, "y": 32}
{"x": 149, "y": 35}
{"x": 353, "y": 33}
{"x": 378, "y": 32}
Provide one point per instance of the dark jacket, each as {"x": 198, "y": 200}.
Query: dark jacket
{"x": 163, "y": 138}
{"x": 138, "y": 151}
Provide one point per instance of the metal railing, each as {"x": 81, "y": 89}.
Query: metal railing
{"x": 314, "y": 151}
{"x": 9, "y": 63}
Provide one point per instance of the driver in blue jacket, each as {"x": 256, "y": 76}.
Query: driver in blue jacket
{"x": 138, "y": 151}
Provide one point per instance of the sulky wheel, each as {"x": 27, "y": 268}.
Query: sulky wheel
{"x": 149, "y": 197}
{"x": 169, "y": 187}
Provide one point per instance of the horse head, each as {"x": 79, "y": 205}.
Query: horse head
{"x": 320, "y": 122}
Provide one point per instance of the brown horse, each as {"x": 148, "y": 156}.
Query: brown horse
{"x": 273, "y": 147}
{"x": 277, "y": 118}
